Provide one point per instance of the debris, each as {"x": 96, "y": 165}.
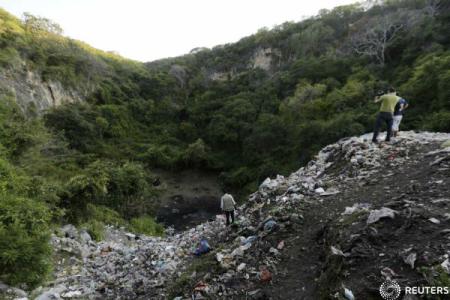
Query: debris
{"x": 446, "y": 266}
{"x": 253, "y": 293}
{"x": 439, "y": 151}
{"x": 357, "y": 207}
{"x": 274, "y": 251}
{"x": 270, "y": 225}
{"x": 200, "y": 291}
{"x": 339, "y": 252}
{"x": 249, "y": 240}
{"x": 265, "y": 275}
{"x": 319, "y": 190}
{"x": 241, "y": 267}
{"x": 388, "y": 273}
{"x": 411, "y": 259}
{"x": 123, "y": 267}
{"x": 330, "y": 192}
{"x": 203, "y": 248}
{"x": 434, "y": 220}
{"x": 377, "y": 214}
{"x": 348, "y": 294}
{"x": 280, "y": 245}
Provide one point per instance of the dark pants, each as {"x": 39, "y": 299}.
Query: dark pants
{"x": 385, "y": 117}
{"x": 229, "y": 215}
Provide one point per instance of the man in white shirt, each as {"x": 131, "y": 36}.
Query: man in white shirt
{"x": 227, "y": 205}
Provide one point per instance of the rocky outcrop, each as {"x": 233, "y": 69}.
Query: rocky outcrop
{"x": 31, "y": 92}
{"x": 265, "y": 58}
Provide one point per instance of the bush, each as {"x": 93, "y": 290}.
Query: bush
{"x": 105, "y": 215}
{"x": 164, "y": 156}
{"x": 96, "y": 229}
{"x": 438, "y": 121}
{"x": 196, "y": 154}
{"x": 24, "y": 241}
{"x": 146, "y": 225}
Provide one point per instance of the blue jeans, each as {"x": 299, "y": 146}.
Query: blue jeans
{"x": 385, "y": 117}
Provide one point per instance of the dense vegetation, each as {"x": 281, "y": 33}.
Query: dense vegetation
{"x": 90, "y": 163}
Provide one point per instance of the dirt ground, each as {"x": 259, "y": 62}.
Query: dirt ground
{"x": 416, "y": 190}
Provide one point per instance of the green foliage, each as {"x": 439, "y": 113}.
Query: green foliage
{"x": 146, "y": 225}
{"x": 438, "y": 121}
{"x": 164, "y": 156}
{"x": 24, "y": 240}
{"x": 196, "y": 154}
{"x": 90, "y": 163}
{"x": 104, "y": 215}
{"x": 95, "y": 228}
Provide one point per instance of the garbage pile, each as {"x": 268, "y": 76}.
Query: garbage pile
{"x": 129, "y": 266}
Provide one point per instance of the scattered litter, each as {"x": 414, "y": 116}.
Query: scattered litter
{"x": 241, "y": 267}
{"x": 377, "y": 214}
{"x": 411, "y": 259}
{"x": 280, "y": 245}
{"x": 203, "y": 248}
{"x": 348, "y": 294}
{"x": 446, "y": 266}
{"x": 388, "y": 273}
{"x": 123, "y": 266}
{"x": 337, "y": 251}
{"x": 265, "y": 275}
{"x": 319, "y": 190}
{"x": 357, "y": 207}
{"x": 270, "y": 225}
{"x": 330, "y": 192}
{"x": 434, "y": 220}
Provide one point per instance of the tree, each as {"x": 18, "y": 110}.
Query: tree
{"x": 36, "y": 24}
{"x": 24, "y": 240}
{"x": 376, "y": 36}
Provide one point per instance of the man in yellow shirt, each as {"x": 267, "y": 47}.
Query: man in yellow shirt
{"x": 388, "y": 102}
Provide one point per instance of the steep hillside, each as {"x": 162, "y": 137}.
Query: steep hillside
{"x": 356, "y": 215}
{"x": 85, "y": 135}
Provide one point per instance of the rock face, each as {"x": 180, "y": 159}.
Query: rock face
{"x": 339, "y": 226}
{"x": 29, "y": 90}
{"x": 264, "y": 58}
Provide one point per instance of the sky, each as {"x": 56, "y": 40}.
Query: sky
{"x": 147, "y": 30}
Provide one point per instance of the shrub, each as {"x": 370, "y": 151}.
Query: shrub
{"x": 105, "y": 215}
{"x": 146, "y": 225}
{"x": 24, "y": 241}
{"x": 438, "y": 121}
{"x": 96, "y": 229}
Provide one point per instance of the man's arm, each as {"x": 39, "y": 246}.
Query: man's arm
{"x": 221, "y": 203}
{"x": 377, "y": 99}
